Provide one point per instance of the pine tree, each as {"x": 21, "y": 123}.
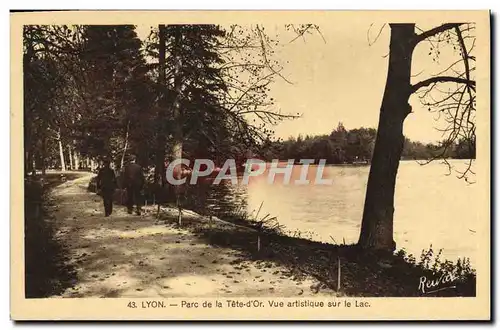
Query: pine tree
{"x": 115, "y": 89}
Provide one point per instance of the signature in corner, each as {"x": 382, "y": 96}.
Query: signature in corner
{"x": 428, "y": 286}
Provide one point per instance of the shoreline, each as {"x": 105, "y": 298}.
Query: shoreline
{"x": 394, "y": 275}
{"x": 280, "y": 257}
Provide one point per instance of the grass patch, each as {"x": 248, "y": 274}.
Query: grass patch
{"x": 362, "y": 273}
{"x": 46, "y": 273}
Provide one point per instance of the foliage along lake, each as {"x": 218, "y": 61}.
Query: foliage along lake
{"x": 431, "y": 207}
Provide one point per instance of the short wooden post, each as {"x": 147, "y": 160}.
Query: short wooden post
{"x": 179, "y": 209}
{"x": 338, "y": 273}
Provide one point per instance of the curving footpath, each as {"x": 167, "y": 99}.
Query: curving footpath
{"x": 131, "y": 256}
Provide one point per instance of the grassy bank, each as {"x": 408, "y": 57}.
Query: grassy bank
{"x": 362, "y": 273}
{"x": 45, "y": 271}
{"x": 343, "y": 268}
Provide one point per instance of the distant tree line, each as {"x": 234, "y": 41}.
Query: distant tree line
{"x": 344, "y": 146}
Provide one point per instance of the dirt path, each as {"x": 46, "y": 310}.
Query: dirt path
{"x": 131, "y": 256}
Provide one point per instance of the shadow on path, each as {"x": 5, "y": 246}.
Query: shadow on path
{"x": 46, "y": 271}
{"x": 362, "y": 273}
{"x": 80, "y": 253}
{"x": 134, "y": 256}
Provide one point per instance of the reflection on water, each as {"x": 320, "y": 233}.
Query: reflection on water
{"x": 431, "y": 207}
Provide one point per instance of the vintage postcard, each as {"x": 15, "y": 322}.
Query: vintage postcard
{"x": 250, "y": 165}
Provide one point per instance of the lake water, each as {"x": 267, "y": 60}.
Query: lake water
{"x": 430, "y": 207}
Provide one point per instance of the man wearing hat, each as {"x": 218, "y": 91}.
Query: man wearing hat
{"x": 133, "y": 182}
{"x": 106, "y": 184}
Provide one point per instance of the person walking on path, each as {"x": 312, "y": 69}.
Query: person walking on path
{"x": 106, "y": 184}
{"x": 133, "y": 182}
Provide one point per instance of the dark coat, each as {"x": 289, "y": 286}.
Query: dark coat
{"x": 106, "y": 179}
{"x": 133, "y": 177}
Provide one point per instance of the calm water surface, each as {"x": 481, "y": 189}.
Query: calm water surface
{"x": 430, "y": 207}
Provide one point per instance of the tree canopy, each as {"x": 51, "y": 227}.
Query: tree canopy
{"x": 99, "y": 91}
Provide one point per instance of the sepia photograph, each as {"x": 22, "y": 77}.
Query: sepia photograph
{"x": 250, "y": 165}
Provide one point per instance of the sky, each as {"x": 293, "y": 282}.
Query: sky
{"x": 339, "y": 76}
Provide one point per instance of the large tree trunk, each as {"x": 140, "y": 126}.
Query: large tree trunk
{"x": 122, "y": 162}
{"x": 43, "y": 155}
{"x": 28, "y": 149}
{"x": 377, "y": 223}
{"x": 70, "y": 155}
{"x": 76, "y": 158}
{"x": 29, "y": 161}
{"x": 61, "y": 151}
{"x": 178, "y": 121}
{"x": 176, "y": 109}
{"x": 33, "y": 169}
{"x": 161, "y": 140}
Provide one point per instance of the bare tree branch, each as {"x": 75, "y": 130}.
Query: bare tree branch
{"x": 438, "y": 29}
{"x": 465, "y": 58}
{"x": 454, "y": 105}
{"x": 438, "y": 79}
{"x": 376, "y": 38}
